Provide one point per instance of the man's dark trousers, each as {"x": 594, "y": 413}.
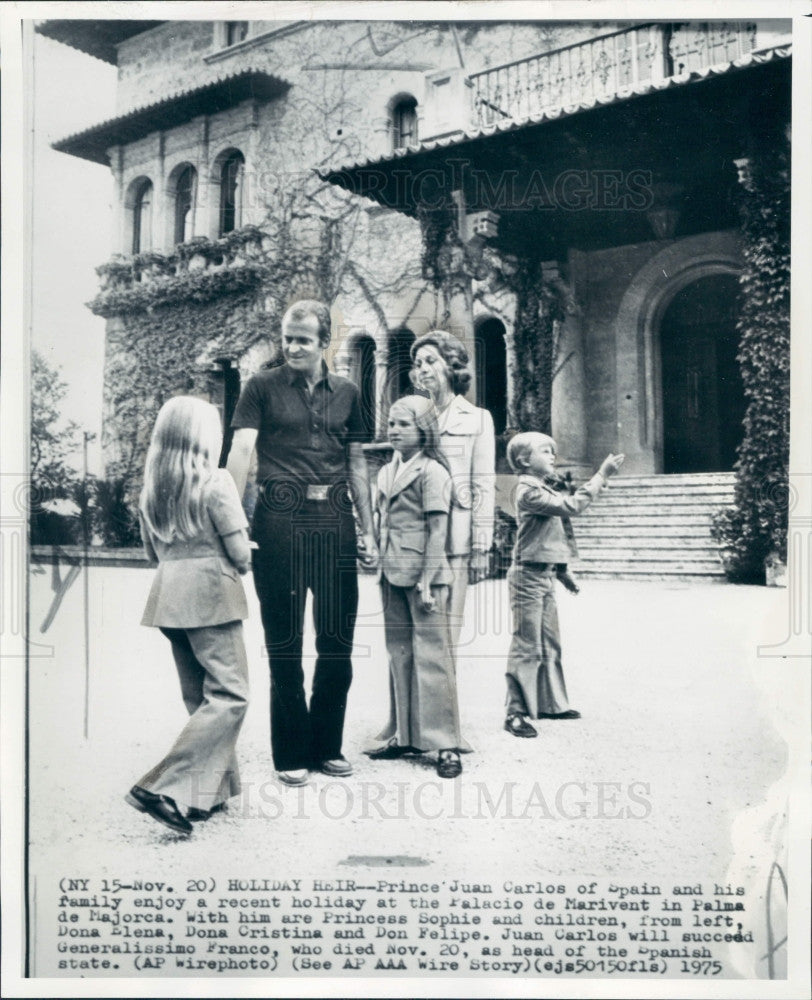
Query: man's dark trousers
{"x": 306, "y": 545}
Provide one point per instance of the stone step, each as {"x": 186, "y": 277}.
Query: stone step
{"x": 599, "y": 574}
{"x": 605, "y": 509}
{"x": 649, "y": 530}
{"x": 667, "y": 546}
{"x": 642, "y": 567}
{"x": 633, "y": 554}
{"x": 654, "y": 527}
{"x": 679, "y": 479}
{"x": 632, "y": 501}
{"x": 722, "y": 494}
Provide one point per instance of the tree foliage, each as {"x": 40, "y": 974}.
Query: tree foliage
{"x": 755, "y": 528}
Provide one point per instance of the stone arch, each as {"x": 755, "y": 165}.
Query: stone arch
{"x": 638, "y": 368}
{"x": 232, "y": 160}
{"x": 491, "y": 365}
{"x": 139, "y": 214}
{"x": 402, "y": 115}
{"x": 183, "y": 175}
{"x": 355, "y": 359}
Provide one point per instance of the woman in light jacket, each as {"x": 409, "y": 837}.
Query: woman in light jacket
{"x": 440, "y": 366}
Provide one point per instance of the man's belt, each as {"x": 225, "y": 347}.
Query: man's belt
{"x": 318, "y": 491}
{"x": 289, "y": 494}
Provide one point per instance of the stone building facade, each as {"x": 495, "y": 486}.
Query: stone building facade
{"x": 256, "y": 162}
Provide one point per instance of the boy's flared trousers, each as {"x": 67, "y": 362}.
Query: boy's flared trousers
{"x": 535, "y": 674}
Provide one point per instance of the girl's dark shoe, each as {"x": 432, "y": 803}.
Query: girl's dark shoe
{"x": 449, "y": 764}
{"x": 199, "y": 815}
{"x": 160, "y": 807}
{"x": 389, "y": 752}
{"x": 517, "y": 725}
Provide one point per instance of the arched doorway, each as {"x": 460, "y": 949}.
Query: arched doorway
{"x": 491, "y": 370}
{"x": 399, "y": 365}
{"x": 702, "y": 395}
{"x": 365, "y": 379}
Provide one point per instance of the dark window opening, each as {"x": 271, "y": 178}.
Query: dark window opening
{"x": 184, "y": 202}
{"x": 231, "y": 185}
{"x": 142, "y": 219}
{"x": 236, "y": 31}
{"x": 404, "y": 122}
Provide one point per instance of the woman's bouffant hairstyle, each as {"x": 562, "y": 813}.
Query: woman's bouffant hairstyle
{"x": 455, "y": 355}
{"x": 425, "y": 418}
{"x": 182, "y": 456}
{"x": 519, "y": 446}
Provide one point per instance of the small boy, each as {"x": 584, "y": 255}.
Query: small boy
{"x": 535, "y": 675}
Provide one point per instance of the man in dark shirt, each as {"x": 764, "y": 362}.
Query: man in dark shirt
{"x": 308, "y": 430}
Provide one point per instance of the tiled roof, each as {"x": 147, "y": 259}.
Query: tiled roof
{"x": 342, "y": 175}
{"x": 96, "y": 38}
{"x": 177, "y": 109}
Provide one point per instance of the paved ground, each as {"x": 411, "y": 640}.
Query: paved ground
{"x": 676, "y": 740}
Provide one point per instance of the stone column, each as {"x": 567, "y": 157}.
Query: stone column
{"x": 119, "y": 226}
{"x": 381, "y": 384}
{"x": 161, "y": 232}
{"x": 201, "y": 224}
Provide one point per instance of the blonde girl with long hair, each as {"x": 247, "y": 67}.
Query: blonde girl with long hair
{"x": 412, "y": 504}
{"x": 194, "y": 527}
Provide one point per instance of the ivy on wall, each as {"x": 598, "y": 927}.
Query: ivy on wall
{"x": 154, "y": 355}
{"x": 754, "y": 530}
{"x": 195, "y": 286}
{"x": 539, "y": 306}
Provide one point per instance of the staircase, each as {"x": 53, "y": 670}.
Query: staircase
{"x": 654, "y": 528}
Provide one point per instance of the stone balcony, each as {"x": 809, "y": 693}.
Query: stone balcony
{"x": 635, "y": 59}
{"x": 200, "y": 269}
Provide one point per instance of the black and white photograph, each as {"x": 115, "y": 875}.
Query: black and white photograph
{"x": 406, "y": 499}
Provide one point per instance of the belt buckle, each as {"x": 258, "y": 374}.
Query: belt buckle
{"x": 317, "y": 492}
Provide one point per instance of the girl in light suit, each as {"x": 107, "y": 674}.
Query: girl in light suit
{"x": 193, "y": 526}
{"x": 413, "y": 498}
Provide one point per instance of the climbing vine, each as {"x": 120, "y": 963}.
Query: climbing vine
{"x": 755, "y": 528}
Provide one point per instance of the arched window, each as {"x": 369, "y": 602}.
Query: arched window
{"x": 236, "y": 31}
{"x": 399, "y": 364}
{"x": 404, "y": 122}
{"x": 491, "y": 370}
{"x": 142, "y": 218}
{"x": 232, "y": 174}
{"x": 184, "y": 204}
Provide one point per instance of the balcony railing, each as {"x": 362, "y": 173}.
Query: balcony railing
{"x": 604, "y": 67}
{"x": 200, "y": 269}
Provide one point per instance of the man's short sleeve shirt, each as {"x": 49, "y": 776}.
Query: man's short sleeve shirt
{"x": 301, "y": 436}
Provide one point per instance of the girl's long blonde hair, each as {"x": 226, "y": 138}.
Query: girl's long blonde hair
{"x": 182, "y": 456}
{"x": 425, "y": 418}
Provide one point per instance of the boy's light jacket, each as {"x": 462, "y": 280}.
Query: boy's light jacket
{"x": 540, "y": 537}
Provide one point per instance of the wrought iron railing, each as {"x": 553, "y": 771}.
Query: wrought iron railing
{"x": 604, "y": 67}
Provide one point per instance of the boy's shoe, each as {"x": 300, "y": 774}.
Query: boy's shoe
{"x": 517, "y": 725}
{"x": 571, "y": 714}
{"x": 567, "y": 582}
